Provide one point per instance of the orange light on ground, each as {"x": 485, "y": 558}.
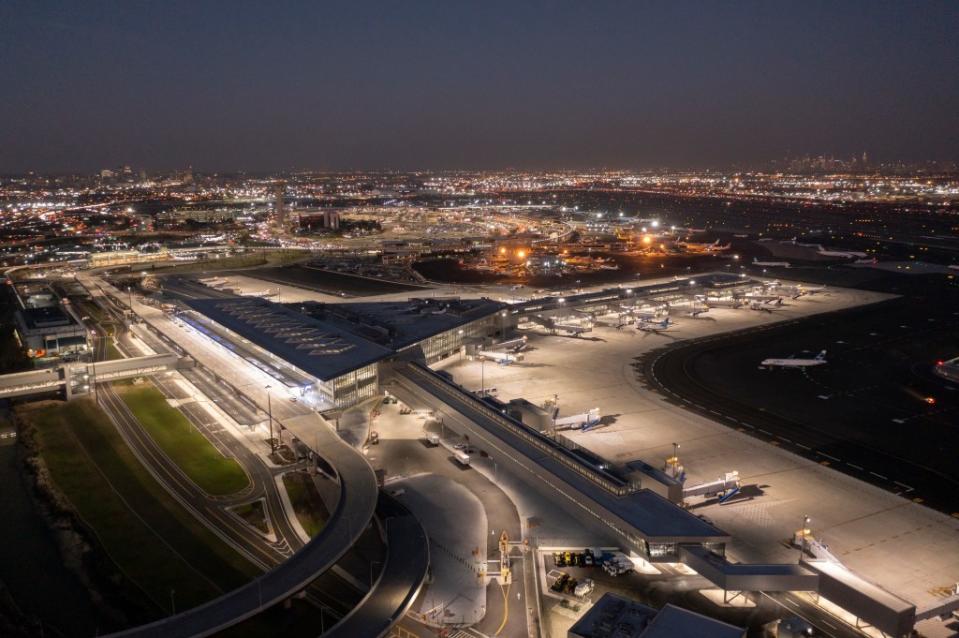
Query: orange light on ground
{"x": 931, "y": 400}
{"x": 502, "y": 250}
{"x": 647, "y": 240}
{"x": 521, "y": 253}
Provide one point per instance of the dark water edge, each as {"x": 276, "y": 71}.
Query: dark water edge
{"x": 31, "y": 568}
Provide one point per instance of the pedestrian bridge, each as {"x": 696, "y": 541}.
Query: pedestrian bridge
{"x": 77, "y": 378}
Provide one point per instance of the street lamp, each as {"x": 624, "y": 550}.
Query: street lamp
{"x": 804, "y": 531}
{"x": 269, "y": 408}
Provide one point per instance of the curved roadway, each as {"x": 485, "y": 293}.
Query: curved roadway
{"x": 400, "y": 581}
{"x": 354, "y": 509}
{"x": 407, "y": 561}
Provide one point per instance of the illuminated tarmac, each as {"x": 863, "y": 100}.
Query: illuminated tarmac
{"x": 908, "y": 549}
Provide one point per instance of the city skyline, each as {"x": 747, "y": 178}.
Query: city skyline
{"x": 427, "y": 86}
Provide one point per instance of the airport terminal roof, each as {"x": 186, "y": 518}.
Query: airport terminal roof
{"x": 676, "y": 622}
{"x": 693, "y": 285}
{"x": 315, "y": 347}
{"x": 404, "y": 323}
{"x": 614, "y": 616}
{"x": 46, "y": 318}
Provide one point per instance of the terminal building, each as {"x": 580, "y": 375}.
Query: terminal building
{"x": 330, "y": 354}
{"x": 44, "y": 327}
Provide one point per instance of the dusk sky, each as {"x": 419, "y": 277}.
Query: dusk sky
{"x": 407, "y": 85}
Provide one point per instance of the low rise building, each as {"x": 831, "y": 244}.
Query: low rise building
{"x": 614, "y": 616}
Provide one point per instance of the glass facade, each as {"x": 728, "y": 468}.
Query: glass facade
{"x": 350, "y": 388}
{"x": 447, "y": 343}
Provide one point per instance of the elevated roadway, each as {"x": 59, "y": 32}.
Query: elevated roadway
{"x": 400, "y": 581}
{"x": 402, "y": 575}
{"x": 354, "y": 509}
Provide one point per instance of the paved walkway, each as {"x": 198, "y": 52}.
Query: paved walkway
{"x": 456, "y": 523}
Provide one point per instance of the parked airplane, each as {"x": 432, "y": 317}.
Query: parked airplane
{"x": 655, "y": 326}
{"x": 818, "y": 360}
{"x": 612, "y": 320}
{"x": 502, "y": 358}
{"x": 723, "y": 302}
{"x": 584, "y": 421}
{"x": 573, "y": 328}
{"x": 512, "y": 345}
{"x": 701, "y": 247}
{"x": 780, "y": 264}
{"x": 770, "y": 299}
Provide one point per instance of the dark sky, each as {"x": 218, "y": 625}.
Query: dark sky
{"x": 455, "y": 84}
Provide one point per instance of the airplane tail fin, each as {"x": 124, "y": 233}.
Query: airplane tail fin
{"x": 821, "y": 355}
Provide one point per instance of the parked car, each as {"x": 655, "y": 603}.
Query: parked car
{"x": 588, "y": 558}
{"x": 584, "y": 588}
{"x": 560, "y": 582}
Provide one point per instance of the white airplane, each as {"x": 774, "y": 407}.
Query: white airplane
{"x": 818, "y": 360}
{"x": 780, "y": 264}
{"x": 655, "y": 326}
{"x": 723, "y": 302}
{"x": 765, "y": 306}
{"x": 502, "y": 358}
{"x": 847, "y": 254}
{"x": 695, "y": 312}
{"x": 572, "y": 328}
{"x": 512, "y": 345}
{"x": 612, "y": 320}
{"x": 649, "y": 313}
{"x": 584, "y": 421}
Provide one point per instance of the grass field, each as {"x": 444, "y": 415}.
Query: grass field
{"x": 309, "y": 507}
{"x": 112, "y": 353}
{"x": 150, "y": 538}
{"x": 177, "y": 437}
{"x": 253, "y": 514}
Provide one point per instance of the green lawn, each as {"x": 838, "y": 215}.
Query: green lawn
{"x": 147, "y": 535}
{"x": 177, "y": 437}
{"x": 306, "y": 501}
{"x": 112, "y": 352}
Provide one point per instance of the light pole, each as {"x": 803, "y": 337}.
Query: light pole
{"x": 269, "y": 408}
{"x": 482, "y": 376}
{"x": 96, "y": 393}
{"x": 802, "y": 541}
